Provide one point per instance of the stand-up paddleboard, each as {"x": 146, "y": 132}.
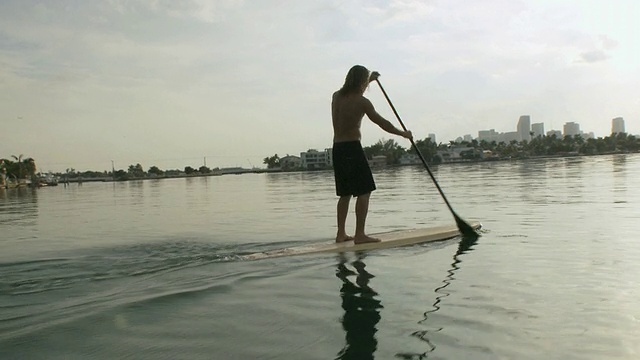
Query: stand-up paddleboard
{"x": 389, "y": 240}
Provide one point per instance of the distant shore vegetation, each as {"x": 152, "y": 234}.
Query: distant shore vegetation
{"x": 475, "y": 151}
{"x": 537, "y": 147}
{"x": 18, "y": 169}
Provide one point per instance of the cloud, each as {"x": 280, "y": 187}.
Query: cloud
{"x": 593, "y": 56}
{"x": 400, "y": 11}
{"x": 603, "y": 45}
{"x": 255, "y": 77}
{"x": 607, "y": 43}
{"x": 201, "y": 10}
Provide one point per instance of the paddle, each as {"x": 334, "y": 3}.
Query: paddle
{"x": 464, "y": 228}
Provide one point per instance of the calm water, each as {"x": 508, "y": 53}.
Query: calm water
{"x": 154, "y": 269}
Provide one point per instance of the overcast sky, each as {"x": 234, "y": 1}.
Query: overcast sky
{"x": 168, "y": 83}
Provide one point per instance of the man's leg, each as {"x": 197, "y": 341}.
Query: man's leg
{"x": 362, "y": 209}
{"x": 343, "y": 210}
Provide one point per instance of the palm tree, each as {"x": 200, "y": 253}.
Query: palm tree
{"x": 29, "y": 166}
{"x": 392, "y": 151}
{"x": 427, "y": 148}
{"x": 20, "y": 166}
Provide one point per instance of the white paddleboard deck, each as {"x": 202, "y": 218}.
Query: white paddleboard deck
{"x": 389, "y": 240}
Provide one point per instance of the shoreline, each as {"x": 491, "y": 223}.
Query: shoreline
{"x": 262, "y": 170}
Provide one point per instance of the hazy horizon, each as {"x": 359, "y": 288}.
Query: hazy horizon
{"x": 168, "y": 83}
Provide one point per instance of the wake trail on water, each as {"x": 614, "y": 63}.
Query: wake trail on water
{"x": 39, "y": 294}
{"x": 47, "y": 274}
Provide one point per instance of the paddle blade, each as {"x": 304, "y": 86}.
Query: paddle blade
{"x": 465, "y": 229}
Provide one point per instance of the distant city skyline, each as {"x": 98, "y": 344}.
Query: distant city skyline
{"x": 523, "y": 128}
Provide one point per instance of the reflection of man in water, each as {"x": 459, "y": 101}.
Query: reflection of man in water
{"x": 361, "y": 312}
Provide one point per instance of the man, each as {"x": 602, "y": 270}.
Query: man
{"x": 352, "y": 173}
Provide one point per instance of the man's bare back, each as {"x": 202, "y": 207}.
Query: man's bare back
{"x": 347, "y": 112}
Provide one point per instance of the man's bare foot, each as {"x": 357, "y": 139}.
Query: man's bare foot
{"x": 343, "y": 238}
{"x": 365, "y": 239}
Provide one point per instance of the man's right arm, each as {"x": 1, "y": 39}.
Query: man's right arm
{"x": 383, "y": 123}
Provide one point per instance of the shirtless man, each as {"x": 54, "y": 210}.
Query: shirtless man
{"x": 352, "y": 173}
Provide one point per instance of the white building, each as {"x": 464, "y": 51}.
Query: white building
{"x": 488, "y": 135}
{"x": 313, "y": 159}
{"x": 571, "y": 128}
{"x": 537, "y": 129}
{"x": 433, "y": 138}
{"x": 410, "y": 158}
{"x": 453, "y": 153}
{"x": 492, "y": 135}
{"x": 557, "y": 133}
{"x": 378, "y": 161}
{"x": 524, "y": 127}
{"x": 290, "y": 162}
{"x": 617, "y": 125}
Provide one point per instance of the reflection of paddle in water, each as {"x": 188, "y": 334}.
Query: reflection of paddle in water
{"x": 361, "y": 310}
{"x": 463, "y": 247}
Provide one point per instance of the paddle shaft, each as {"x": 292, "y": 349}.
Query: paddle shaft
{"x": 462, "y": 225}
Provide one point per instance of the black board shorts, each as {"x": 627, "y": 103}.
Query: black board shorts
{"x": 351, "y": 169}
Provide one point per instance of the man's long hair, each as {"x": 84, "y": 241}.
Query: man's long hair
{"x": 357, "y": 78}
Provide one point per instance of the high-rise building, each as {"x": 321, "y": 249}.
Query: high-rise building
{"x": 537, "y": 129}
{"x": 571, "y": 128}
{"x": 557, "y": 133}
{"x": 492, "y": 135}
{"x": 617, "y": 125}
{"x": 524, "y": 127}
{"x": 433, "y": 138}
{"x": 487, "y": 135}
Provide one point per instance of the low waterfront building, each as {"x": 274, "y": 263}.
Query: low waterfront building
{"x": 410, "y": 159}
{"x": 314, "y": 160}
{"x": 457, "y": 153}
{"x": 290, "y": 162}
{"x": 378, "y": 161}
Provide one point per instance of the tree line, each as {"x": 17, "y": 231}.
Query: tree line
{"x": 137, "y": 171}
{"x": 476, "y": 150}
{"x": 22, "y": 169}
{"x": 19, "y": 168}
